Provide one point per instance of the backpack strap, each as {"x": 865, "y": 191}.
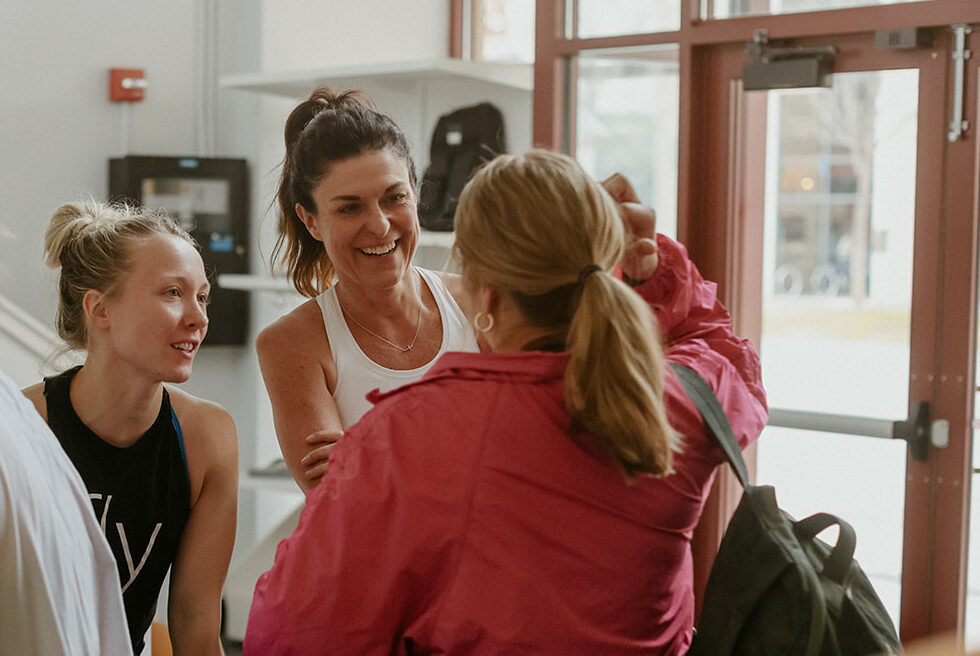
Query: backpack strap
{"x": 715, "y": 419}
{"x": 838, "y": 563}
{"x": 717, "y": 426}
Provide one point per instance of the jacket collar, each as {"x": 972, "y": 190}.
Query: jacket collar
{"x": 517, "y": 367}
{"x": 533, "y": 364}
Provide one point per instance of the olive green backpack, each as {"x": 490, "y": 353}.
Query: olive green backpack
{"x": 774, "y": 588}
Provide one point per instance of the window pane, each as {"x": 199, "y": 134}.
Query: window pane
{"x": 811, "y": 475}
{"x": 627, "y": 122}
{"x": 973, "y": 548}
{"x": 837, "y": 288}
{"x": 734, "y": 8}
{"x": 973, "y": 567}
{"x": 505, "y": 31}
{"x": 837, "y": 263}
{"x": 614, "y": 17}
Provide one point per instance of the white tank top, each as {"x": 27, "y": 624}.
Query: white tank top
{"x": 357, "y": 374}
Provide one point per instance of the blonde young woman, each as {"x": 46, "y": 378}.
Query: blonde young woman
{"x": 160, "y": 465}
{"x": 539, "y": 498}
{"x": 348, "y": 232}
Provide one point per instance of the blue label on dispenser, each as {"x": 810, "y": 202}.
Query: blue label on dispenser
{"x": 222, "y": 243}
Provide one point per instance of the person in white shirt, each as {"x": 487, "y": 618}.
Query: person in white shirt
{"x": 59, "y": 591}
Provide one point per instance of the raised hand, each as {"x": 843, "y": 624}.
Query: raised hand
{"x": 640, "y": 259}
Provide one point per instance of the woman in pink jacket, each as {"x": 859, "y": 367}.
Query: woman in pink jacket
{"x": 539, "y": 498}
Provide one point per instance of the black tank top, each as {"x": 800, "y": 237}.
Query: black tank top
{"x": 141, "y": 496}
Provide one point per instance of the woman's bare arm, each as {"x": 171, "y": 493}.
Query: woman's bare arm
{"x": 35, "y": 394}
{"x": 299, "y": 371}
{"x": 201, "y": 564}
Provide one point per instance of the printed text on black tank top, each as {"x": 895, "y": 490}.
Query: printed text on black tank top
{"x": 134, "y": 569}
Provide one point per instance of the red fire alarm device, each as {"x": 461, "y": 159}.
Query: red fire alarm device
{"x": 127, "y": 84}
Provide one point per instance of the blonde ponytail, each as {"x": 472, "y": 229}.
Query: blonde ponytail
{"x": 614, "y": 378}
{"x": 539, "y": 228}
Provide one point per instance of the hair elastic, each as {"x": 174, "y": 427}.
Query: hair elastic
{"x": 586, "y": 270}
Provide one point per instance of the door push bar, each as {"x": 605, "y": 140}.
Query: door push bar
{"x": 917, "y": 430}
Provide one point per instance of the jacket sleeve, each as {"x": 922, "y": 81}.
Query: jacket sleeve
{"x": 696, "y": 331}
{"x": 360, "y": 566}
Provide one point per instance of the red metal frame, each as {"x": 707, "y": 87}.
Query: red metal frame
{"x": 713, "y": 199}
{"x": 835, "y": 22}
{"x": 948, "y": 473}
{"x": 456, "y": 29}
{"x": 549, "y": 85}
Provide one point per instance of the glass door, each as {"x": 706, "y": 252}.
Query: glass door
{"x": 838, "y": 237}
{"x": 838, "y": 228}
{"x": 841, "y": 227}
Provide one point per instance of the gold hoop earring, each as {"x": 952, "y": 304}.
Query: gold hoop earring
{"x": 483, "y": 329}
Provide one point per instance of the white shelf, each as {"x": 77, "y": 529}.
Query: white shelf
{"x": 255, "y": 283}
{"x": 298, "y": 84}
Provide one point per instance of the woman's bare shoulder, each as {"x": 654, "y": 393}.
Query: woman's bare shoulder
{"x": 35, "y": 394}
{"x": 210, "y": 442}
{"x": 302, "y": 328}
{"x": 196, "y": 413}
{"x": 454, "y": 283}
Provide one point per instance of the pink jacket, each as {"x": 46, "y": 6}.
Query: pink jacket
{"x": 458, "y": 517}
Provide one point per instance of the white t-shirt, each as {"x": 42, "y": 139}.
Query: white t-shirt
{"x": 59, "y": 591}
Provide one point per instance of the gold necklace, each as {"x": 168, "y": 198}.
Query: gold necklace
{"x": 403, "y": 349}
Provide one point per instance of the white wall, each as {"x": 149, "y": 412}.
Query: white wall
{"x": 59, "y": 131}
{"x": 59, "y": 128}
{"x": 310, "y": 34}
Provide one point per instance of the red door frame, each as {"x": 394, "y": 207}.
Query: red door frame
{"x": 934, "y": 562}
{"x": 928, "y": 603}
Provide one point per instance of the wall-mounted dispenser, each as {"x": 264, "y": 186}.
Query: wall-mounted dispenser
{"x": 208, "y": 196}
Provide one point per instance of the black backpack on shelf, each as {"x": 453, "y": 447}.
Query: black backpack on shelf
{"x": 461, "y": 141}
{"x": 775, "y": 589}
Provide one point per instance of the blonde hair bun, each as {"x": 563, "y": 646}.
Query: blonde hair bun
{"x": 90, "y": 242}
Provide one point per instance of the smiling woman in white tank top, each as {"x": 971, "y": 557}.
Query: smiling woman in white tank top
{"x": 348, "y": 231}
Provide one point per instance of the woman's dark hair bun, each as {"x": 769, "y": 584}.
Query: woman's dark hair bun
{"x": 321, "y": 99}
